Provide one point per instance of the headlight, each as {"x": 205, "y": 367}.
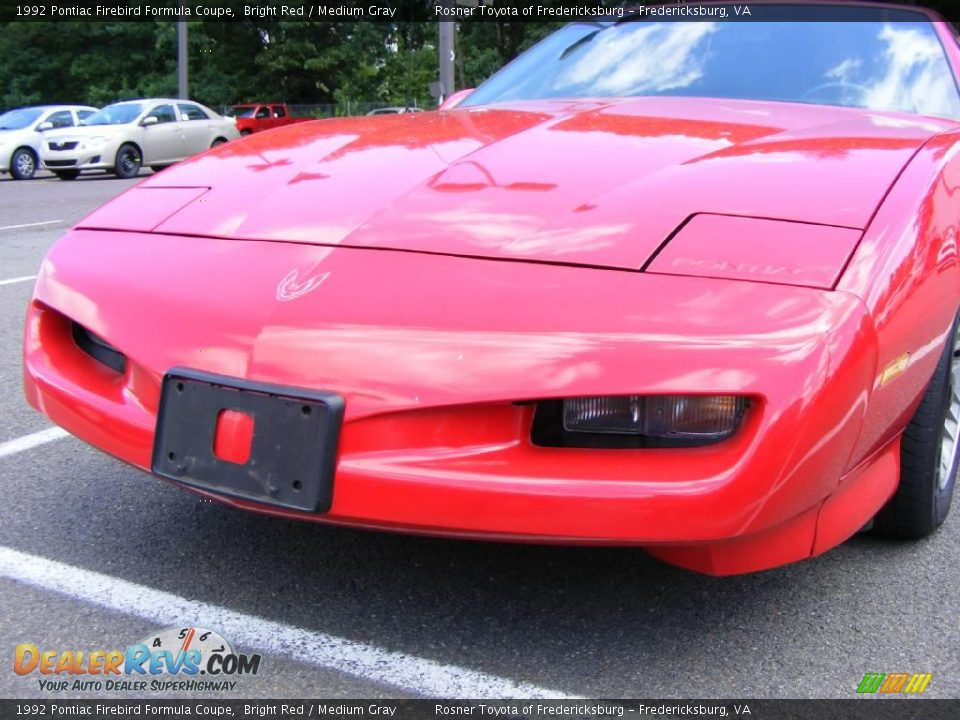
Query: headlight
{"x": 638, "y": 421}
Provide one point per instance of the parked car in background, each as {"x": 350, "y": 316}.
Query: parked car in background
{"x": 22, "y": 132}
{"x": 123, "y": 137}
{"x": 394, "y": 110}
{"x": 254, "y": 117}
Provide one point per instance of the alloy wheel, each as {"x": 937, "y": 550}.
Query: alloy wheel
{"x": 25, "y": 164}
{"x": 130, "y": 162}
{"x": 950, "y": 439}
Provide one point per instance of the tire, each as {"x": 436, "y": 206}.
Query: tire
{"x": 218, "y": 141}
{"x": 928, "y": 454}
{"x": 244, "y": 133}
{"x": 67, "y": 174}
{"x": 158, "y": 168}
{"x": 128, "y": 162}
{"x": 23, "y": 164}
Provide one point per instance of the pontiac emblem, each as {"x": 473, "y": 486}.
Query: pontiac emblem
{"x": 290, "y": 289}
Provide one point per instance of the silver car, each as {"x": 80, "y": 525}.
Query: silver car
{"x": 123, "y": 137}
{"x": 395, "y": 110}
{"x": 22, "y": 132}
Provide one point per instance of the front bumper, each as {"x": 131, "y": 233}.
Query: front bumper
{"x": 97, "y": 158}
{"x": 437, "y": 359}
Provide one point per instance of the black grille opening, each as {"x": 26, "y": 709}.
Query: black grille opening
{"x": 59, "y": 163}
{"x": 98, "y": 348}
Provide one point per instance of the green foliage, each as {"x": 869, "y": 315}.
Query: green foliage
{"x": 298, "y": 62}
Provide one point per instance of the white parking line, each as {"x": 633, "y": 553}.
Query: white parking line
{"x": 31, "y": 441}
{"x": 11, "y": 281}
{"x": 26, "y": 225}
{"x": 368, "y": 662}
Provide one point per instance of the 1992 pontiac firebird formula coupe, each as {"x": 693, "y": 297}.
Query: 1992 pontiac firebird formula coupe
{"x": 688, "y": 286}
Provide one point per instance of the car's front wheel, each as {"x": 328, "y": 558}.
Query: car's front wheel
{"x": 929, "y": 454}
{"x": 67, "y": 174}
{"x": 128, "y": 162}
{"x": 23, "y": 164}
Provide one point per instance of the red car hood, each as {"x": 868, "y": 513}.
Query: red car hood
{"x": 591, "y": 182}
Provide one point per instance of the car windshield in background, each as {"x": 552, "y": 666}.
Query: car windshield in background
{"x": 241, "y": 112}
{"x": 18, "y": 119}
{"x": 120, "y": 114}
{"x": 885, "y": 60}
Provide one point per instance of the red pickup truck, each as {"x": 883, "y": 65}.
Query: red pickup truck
{"x": 254, "y": 117}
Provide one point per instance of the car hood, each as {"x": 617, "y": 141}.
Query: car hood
{"x": 599, "y": 183}
{"x": 86, "y": 131}
{"x": 12, "y": 136}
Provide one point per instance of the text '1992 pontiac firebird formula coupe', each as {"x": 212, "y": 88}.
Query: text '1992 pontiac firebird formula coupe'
{"x": 686, "y": 286}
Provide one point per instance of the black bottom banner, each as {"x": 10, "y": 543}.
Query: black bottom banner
{"x": 859, "y": 709}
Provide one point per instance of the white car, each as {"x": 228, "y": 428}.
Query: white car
{"x": 123, "y": 137}
{"x": 395, "y": 110}
{"x": 22, "y": 132}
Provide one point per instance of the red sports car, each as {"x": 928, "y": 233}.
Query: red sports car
{"x": 688, "y": 286}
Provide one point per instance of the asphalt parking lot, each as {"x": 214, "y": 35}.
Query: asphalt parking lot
{"x": 96, "y": 555}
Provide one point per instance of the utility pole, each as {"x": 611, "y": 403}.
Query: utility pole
{"x": 183, "y": 89}
{"x": 445, "y": 45}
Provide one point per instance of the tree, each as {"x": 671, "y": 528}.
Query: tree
{"x": 248, "y": 59}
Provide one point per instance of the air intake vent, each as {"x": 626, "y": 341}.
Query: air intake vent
{"x": 99, "y": 349}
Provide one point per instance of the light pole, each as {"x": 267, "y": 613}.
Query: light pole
{"x": 183, "y": 90}
{"x": 445, "y": 48}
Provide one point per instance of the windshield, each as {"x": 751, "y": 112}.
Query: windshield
{"x": 119, "y": 114}
{"x": 886, "y": 60}
{"x": 18, "y": 119}
{"x": 242, "y": 111}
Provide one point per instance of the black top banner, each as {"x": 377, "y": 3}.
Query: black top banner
{"x": 883, "y": 709}
{"x": 464, "y": 10}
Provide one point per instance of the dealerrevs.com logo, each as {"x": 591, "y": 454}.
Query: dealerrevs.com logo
{"x": 187, "y": 659}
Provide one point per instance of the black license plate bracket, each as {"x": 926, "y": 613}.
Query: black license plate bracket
{"x": 292, "y": 454}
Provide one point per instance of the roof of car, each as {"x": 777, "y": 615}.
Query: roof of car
{"x": 51, "y": 107}
{"x": 155, "y": 100}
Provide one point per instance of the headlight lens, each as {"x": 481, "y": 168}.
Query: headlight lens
{"x": 603, "y": 414}
{"x": 705, "y": 417}
{"x": 638, "y": 421}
